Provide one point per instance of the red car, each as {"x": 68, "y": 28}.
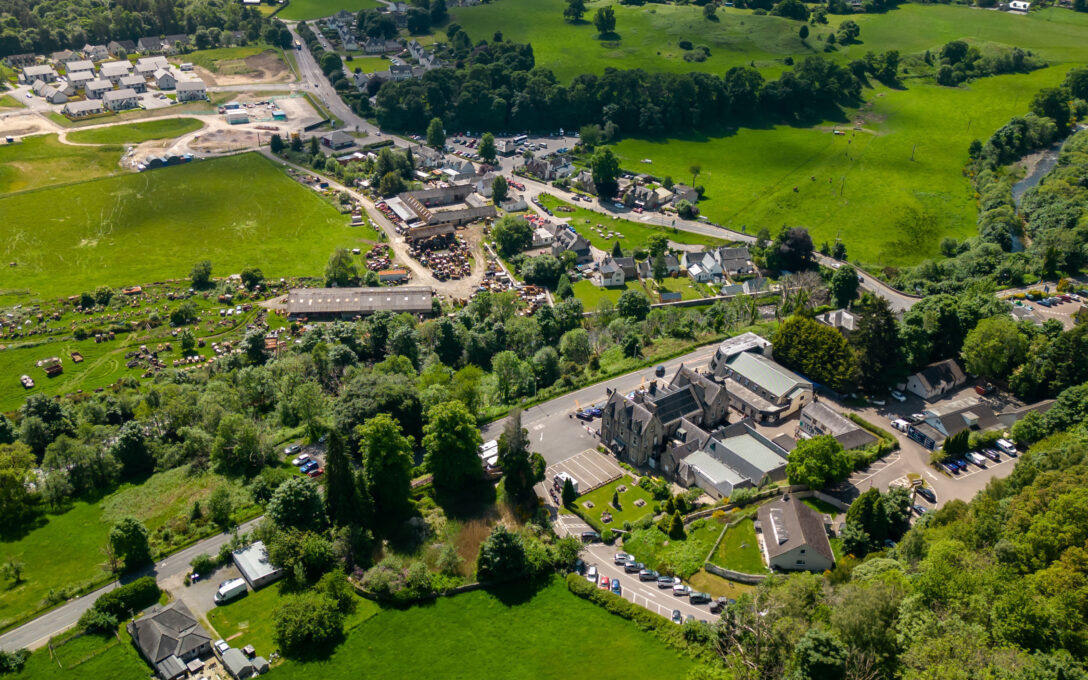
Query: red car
{"x": 316, "y": 472}
{"x": 604, "y": 583}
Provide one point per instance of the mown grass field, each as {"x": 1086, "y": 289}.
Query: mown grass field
{"x": 314, "y": 9}
{"x": 739, "y": 550}
{"x": 166, "y": 128}
{"x": 42, "y": 161}
{"x": 66, "y": 548}
{"x": 628, "y": 510}
{"x": 862, "y": 186}
{"x": 515, "y": 634}
{"x": 212, "y": 59}
{"x": 237, "y": 211}
{"x": 8, "y": 101}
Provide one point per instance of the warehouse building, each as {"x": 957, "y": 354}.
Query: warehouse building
{"x": 252, "y": 562}
{"x": 326, "y": 304}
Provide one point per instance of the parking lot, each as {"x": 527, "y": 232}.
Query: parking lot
{"x": 590, "y": 467}
{"x": 643, "y": 593}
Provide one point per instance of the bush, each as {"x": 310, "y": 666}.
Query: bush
{"x": 203, "y": 564}
{"x": 13, "y": 662}
{"x": 98, "y": 621}
{"x": 309, "y": 623}
{"x": 141, "y": 593}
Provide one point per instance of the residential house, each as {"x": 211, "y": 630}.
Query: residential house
{"x": 949, "y": 419}
{"x": 659, "y": 426}
{"x": 49, "y": 93}
{"x": 701, "y": 267}
{"x": 380, "y": 46}
{"x": 584, "y": 181}
{"x": 337, "y": 139}
{"x": 758, "y": 387}
{"x": 640, "y": 196}
{"x": 936, "y": 380}
{"x": 672, "y": 264}
{"x": 98, "y": 87}
{"x": 514, "y": 203}
{"x": 629, "y": 267}
{"x": 842, "y": 319}
{"x": 191, "y": 90}
{"x": 568, "y": 239}
{"x": 549, "y": 168}
{"x": 793, "y": 536}
{"x": 119, "y": 49}
{"x": 149, "y": 45}
{"x": 735, "y": 261}
{"x": 399, "y": 72}
{"x": 120, "y": 100}
{"x": 86, "y": 107}
{"x": 171, "y": 44}
{"x": 756, "y": 286}
{"x": 664, "y": 196}
{"x": 735, "y": 457}
{"x": 76, "y": 65}
{"x": 21, "y": 60}
{"x": 165, "y": 80}
{"x": 64, "y": 56}
{"x": 611, "y": 273}
{"x": 544, "y": 236}
{"x": 135, "y": 82}
{"x": 79, "y": 80}
{"x": 484, "y": 185}
{"x": 817, "y": 418}
{"x": 146, "y": 66}
{"x": 95, "y": 52}
{"x": 682, "y": 192}
{"x": 458, "y": 172}
{"x": 113, "y": 71}
{"x": 43, "y": 72}
{"x": 168, "y": 638}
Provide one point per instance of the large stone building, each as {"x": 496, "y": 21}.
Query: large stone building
{"x": 661, "y": 424}
{"x": 758, "y": 387}
{"x": 734, "y": 457}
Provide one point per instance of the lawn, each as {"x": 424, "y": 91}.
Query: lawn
{"x": 66, "y": 549}
{"x": 739, "y": 550}
{"x": 822, "y": 507}
{"x": 591, "y": 294}
{"x": 688, "y": 289}
{"x": 7, "y": 101}
{"x": 602, "y": 502}
{"x": 315, "y": 9}
{"x": 862, "y": 186}
{"x": 589, "y": 222}
{"x": 166, "y": 128}
{"x": 90, "y": 657}
{"x": 367, "y": 64}
{"x": 42, "y": 161}
{"x": 516, "y": 634}
{"x": 681, "y": 558}
{"x": 716, "y": 586}
{"x": 236, "y": 211}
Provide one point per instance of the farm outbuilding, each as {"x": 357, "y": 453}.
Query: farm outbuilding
{"x": 252, "y": 562}
{"x": 340, "y": 303}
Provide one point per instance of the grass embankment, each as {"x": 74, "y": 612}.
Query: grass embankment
{"x": 739, "y": 550}
{"x": 7, "y": 101}
{"x": 66, "y": 549}
{"x": 313, "y": 9}
{"x": 236, "y": 211}
{"x": 861, "y": 186}
{"x": 90, "y": 657}
{"x": 683, "y": 557}
{"x": 166, "y": 128}
{"x": 42, "y": 161}
{"x": 513, "y": 633}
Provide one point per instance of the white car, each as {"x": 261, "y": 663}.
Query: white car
{"x": 591, "y": 574}
{"x": 621, "y": 558}
{"x": 300, "y": 460}
{"x": 899, "y": 396}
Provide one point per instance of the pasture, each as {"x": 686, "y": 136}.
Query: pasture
{"x": 65, "y": 549}
{"x": 90, "y": 657}
{"x": 891, "y": 190}
{"x": 237, "y": 211}
{"x": 42, "y": 161}
{"x": 512, "y": 633}
{"x": 165, "y": 128}
{"x": 315, "y": 9}
{"x": 589, "y": 223}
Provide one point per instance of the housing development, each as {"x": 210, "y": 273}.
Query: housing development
{"x": 537, "y": 338}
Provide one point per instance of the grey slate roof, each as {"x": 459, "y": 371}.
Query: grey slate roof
{"x": 947, "y": 372}
{"x": 170, "y": 631}
{"x": 777, "y": 380}
{"x": 788, "y": 523}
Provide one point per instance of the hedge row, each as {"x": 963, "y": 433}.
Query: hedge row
{"x": 132, "y": 597}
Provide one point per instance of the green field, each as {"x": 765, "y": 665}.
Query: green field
{"x": 315, "y": 9}
{"x": 90, "y": 657}
{"x": 862, "y": 186}
{"x": 547, "y": 635}
{"x": 628, "y": 511}
{"x": 739, "y": 550}
{"x": 165, "y": 128}
{"x": 649, "y": 35}
{"x": 680, "y": 558}
{"x": 8, "y": 101}
{"x": 367, "y": 64}
{"x": 42, "y": 161}
{"x": 591, "y": 294}
{"x": 67, "y": 548}
{"x": 590, "y": 224}
{"x": 688, "y": 289}
{"x": 237, "y": 211}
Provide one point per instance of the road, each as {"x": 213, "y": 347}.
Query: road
{"x": 36, "y": 633}
{"x": 568, "y": 436}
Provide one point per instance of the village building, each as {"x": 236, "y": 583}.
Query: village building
{"x": 736, "y": 456}
{"x": 842, "y": 319}
{"x": 758, "y": 387}
{"x": 146, "y": 66}
{"x": 165, "y": 80}
{"x": 43, "y": 72}
{"x": 80, "y": 109}
{"x": 817, "y": 418}
{"x": 254, "y": 565}
{"x": 701, "y": 267}
{"x": 134, "y": 82}
{"x": 611, "y": 273}
{"x": 327, "y": 304}
{"x": 21, "y": 60}
{"x": 682, "y": 192}
{"x": 568, "y": 239}
{"x": 76, "y": 65}
{"x": 113, "y": 71}
{"x": 735, "y": 261}
{"x": 64, "y": 56}
{"x": 793, "y": 536}
{"x": 79, "y": 80}
{"x": 49, "y": 93}
{"x": 98, "y": 87}
{"x": 936, "y": 380}
{"x": 168, "y": 638}
{"x": 118, "y": 49}
{"x": 95, "y": 52}
{"x": 191, "y": 90}
{"x": 337, "y": 139}
{"x": 120, "y": 100}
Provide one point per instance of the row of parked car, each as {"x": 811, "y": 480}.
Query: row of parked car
{"x": 305, "y": 464}
{"x": 979, "y": 458}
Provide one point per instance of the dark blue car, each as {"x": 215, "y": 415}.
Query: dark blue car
{"x": 309, "y": 465}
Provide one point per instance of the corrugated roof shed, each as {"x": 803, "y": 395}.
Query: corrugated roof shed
{"x": 317, "y": 301}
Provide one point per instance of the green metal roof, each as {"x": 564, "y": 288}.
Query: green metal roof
{"x": 760, "y": 370}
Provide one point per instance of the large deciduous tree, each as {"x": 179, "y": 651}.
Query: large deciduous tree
{"x": 605, "y": 168}
{"x": 994, "y": 347}
{"x": 818, "y": 462}
{"x": 819, "y": 352}
{"x": 451, "y": 441}
{"x": 387, "y": 465}
{"x": 297, "y": 503}
{"x": 129, "y": 541}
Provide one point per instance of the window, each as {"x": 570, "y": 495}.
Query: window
{"x": 800, "y": 562}
{"x": 802, "y": 551}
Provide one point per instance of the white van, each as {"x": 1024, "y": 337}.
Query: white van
{"x": 1006, "y": 446}
{"x": 229, "y": 590}
{"x": 901, "y": 424}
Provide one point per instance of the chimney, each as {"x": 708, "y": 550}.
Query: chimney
{"x": 653, "y": 387}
